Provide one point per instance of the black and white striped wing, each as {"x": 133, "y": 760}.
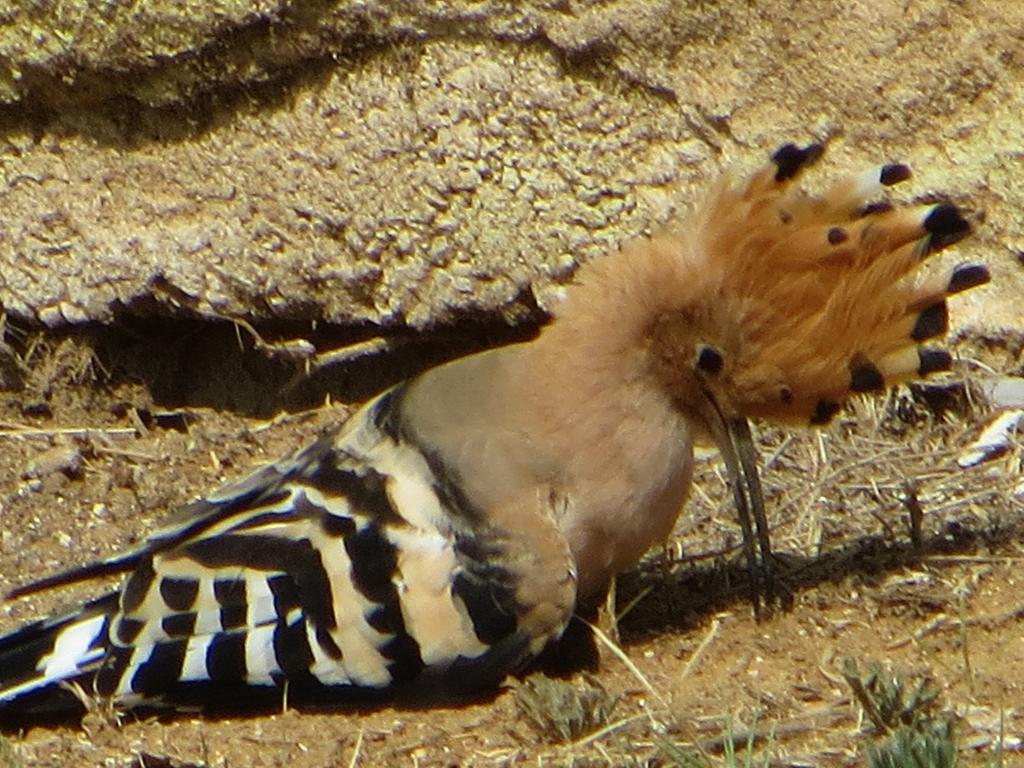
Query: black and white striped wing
{"x": 340, "y": 567}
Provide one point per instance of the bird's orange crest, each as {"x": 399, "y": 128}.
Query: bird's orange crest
{"x": 813, "y": 297}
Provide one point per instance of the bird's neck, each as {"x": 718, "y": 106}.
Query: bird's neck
{"x": 624, "y": 445}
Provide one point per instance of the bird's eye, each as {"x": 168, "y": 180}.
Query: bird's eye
{"x": 709, "y": 359}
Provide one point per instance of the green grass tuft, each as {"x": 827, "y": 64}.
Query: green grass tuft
{"x": 931, "y": 746}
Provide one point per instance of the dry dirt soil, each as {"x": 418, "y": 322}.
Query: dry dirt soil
{"x": 298, "y": 165}
{"x": 90, "y": 461}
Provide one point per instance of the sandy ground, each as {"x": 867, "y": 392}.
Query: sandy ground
{"x": 298, "y": 165}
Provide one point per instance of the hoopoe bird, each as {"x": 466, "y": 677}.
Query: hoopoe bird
{"x": 444, "y": 534}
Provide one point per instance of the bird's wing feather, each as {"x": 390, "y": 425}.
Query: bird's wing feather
{"x": 342, "y": 565}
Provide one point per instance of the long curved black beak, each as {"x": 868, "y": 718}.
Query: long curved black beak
{"x": 732, "y": 435}
{"x": 745, "y": 480}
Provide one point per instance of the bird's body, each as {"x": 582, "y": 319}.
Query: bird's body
{"x": 445, "y": 533}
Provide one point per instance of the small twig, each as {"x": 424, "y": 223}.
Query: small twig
{"x": 795, "y": 726}
{"x": 356, "y": 750}
{"x": 695, "y": 657}
{"x": 137, "y": 423}
{"x": 935, "y": 624}
{"x": 294, "y": 350}
{"x": 699, "y": 490}
{"x": 600, "y": 733}
{"x": 19, "y": 431}
{"x": 110, "y": 451}
{"x": 351, "y": 352}
{"x": 317, "y": 361}
{"x": 849, "y": 673}
{"x": 914, "y": 511}
{"x": 777, "y": 453}
{"x": 634, "y": 602}
{"x": 607, "y": 614}
{"x": 976, "y": 559}
{"x": 965, "y": 651}
{"x": 630, "y": 665}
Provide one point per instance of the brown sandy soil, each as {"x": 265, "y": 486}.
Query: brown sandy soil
{"x": 300, "y": 162}
{"x": 88, "y": 464}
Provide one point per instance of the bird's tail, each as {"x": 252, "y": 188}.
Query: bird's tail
{"x": 821, "y": 296}
{"x": 40, "y": 663}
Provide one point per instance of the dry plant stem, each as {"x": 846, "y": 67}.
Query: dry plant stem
{"x": 962, "y": 612}
{"x": 15, "y": 430}
{"x": 864, "y": 698}
{"x": 354, "y": 760}
{"x": 630, "y": 665}
{"x": 828, "y": 718}
{"x": 932, "y": 626}
{"x": 607, "y": 616}
{"x": 915, "y": 513}
{"x": 633, "y": 603}
{"x": 605, "y": 731}
{"x": 697, "y": 654}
